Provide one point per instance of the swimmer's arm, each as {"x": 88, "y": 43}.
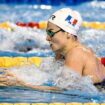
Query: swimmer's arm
{"x": 4, "y": 82}
{"x": 14, "y": 81}
{"x": 37, "y": 87}
{"x": 75, "y": 61}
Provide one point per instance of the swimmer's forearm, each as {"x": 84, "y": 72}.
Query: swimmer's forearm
{"x": 42, "y": 88}
{"x": 22, "y": 84}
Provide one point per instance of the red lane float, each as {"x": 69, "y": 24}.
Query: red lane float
{"x": 33, "y": 24}
{"x": 103, "y": 60}
{"x": 40, "y": 25}
{"x": 30, "y": 24}
{"x": 21, "y": 24}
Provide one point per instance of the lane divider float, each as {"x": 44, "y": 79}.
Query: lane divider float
{"x": 72, "y": 103}
{"x": 43, "y": 25}
{"x": 21, "y": 61}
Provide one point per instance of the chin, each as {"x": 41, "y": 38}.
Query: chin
{"x": 55, "y": 49}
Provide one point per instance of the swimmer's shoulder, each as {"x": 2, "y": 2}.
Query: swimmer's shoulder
{"x": 75, "y": 60}
{"x": 87, "y": 51}
{"x": 79, "y": 50}
{"x": 76, "y": 53}
{"x": 82, "y": 53}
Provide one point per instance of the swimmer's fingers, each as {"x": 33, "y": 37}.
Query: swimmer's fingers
{"x": 11, "y": 81}
{"x": 2, "y": 79}
{"x": 2, "y": 75}
{"x": 8, "y": 83}
{"x": 2, "y": 84}
{"x": 8, "y": 73}
{"x": 5, "y": 84}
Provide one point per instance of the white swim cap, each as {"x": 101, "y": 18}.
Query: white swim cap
{"x": 67, "y": 19}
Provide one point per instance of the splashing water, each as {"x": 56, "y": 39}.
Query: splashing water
{"x": 23, "y": 38}
{"x": 94, "y": 39}
{"x": 56, "y": 73}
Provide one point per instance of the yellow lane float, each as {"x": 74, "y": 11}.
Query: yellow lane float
{"x": 42, "y": 25}
{"x": 6, "y": 26}
{"x": 74, "y": 103}
{"x": 96, "y": 25}
{"x": 19, "y": 61}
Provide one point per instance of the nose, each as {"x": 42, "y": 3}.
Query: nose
{"x": 48, "y": 38}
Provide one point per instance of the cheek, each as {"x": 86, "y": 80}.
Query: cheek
{"x": 59, "y": 42}
{"x": 56, "y": 41}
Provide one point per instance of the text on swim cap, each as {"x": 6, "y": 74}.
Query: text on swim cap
{"x": 71, "y": 21}
{"x": 52, "y": 17}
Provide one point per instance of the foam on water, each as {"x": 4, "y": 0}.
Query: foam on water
{"x": 98, "y": 4}
{"x": 22, "y": 38}
{"x": 55, "y": 72}
{"x": 94, "y": 39}
{"x": 92, "y": 9}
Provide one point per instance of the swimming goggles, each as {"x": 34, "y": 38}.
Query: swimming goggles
{"x": 51, "y": 33}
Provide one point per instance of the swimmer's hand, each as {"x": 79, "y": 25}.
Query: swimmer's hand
{"x": 10, "y": 79}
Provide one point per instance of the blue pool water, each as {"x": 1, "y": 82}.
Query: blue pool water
{"x": 16, "y": 43}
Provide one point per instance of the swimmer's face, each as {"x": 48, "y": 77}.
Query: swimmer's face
{"x": 56, "y": 37}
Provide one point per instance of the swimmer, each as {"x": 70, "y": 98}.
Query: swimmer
{"x": 62, "y": 33}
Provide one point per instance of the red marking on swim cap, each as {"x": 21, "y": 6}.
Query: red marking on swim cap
{"x": 75, "y": 21}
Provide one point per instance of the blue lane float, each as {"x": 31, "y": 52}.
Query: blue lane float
{"x": 44, "y": 2}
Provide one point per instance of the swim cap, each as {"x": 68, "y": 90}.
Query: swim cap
{"x": 67, "y": 19}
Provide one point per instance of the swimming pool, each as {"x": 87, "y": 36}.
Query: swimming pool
{"x": 16, "y": 44}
